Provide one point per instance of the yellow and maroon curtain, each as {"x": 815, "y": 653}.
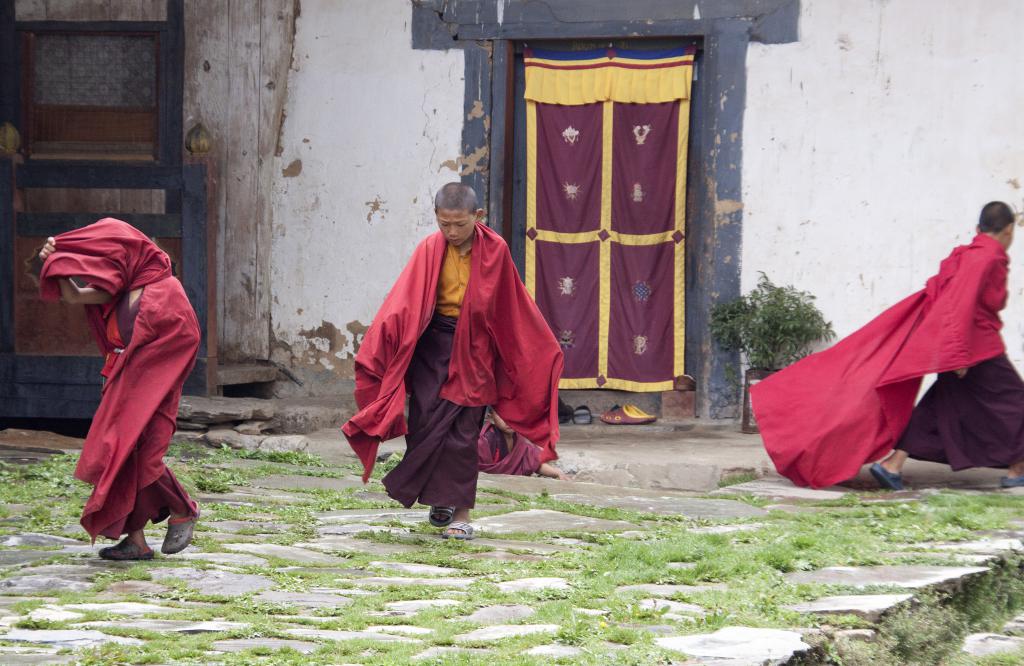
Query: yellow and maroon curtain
{"x": 605, "y": 211}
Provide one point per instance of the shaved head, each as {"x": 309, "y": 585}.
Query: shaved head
{"x": 456, "y": 196}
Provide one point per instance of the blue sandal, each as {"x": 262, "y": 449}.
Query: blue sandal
{"x": 441, "y": 516}
{"x": 887, "y": 479}
{"x": 1012, "y": 482}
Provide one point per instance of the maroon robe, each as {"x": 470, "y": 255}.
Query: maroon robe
{"x": 496, "y": 457}
{"x": 824, "y": 417}
{"x": 123, "y": 452}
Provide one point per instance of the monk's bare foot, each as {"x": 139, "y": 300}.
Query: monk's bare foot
{"x": 1016, "y": 469}
{"x": 894, "y": 463}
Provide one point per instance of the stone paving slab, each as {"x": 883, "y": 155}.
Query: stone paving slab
{"x": 235, "y": 526}
{"x": 544, "y": 520}
{"x": 36, "y": 539}
{"x": 337, "y": 635}
{"x": 667, "y": 590}
{"x": 303, "y": 599}
{"x": 500, "y": 614}
{"x": 165, "y": 626}
{"x": 534, "y": 584}
{"x": 397, "y": 581}
{"x": 665, "y": 505}
{"x": 416, "y": 569}
{"x": 350, "y": 529}
{"x": 868, "y": 606}
{"x": 502, "y": 631}
{"x": 373, "y": 515}
{"x": 38, "y": 583}
{"x": 740, "y": 645}
{"x": 138, "y": 587}
{"x": 210, "y": 581}
{"x": 659, "y": 605}
{"x": 540, "y": 548}
{"x": 906, "y": 576}
{"x": 66, "y": 638}
{"x": 555, "y": 651}
{"x": 404, "y": 629}
{"x": 441, "y": 652}
{"x": 412, "y": 607}
{"x": 984, "y": 645}
{"x": 301, "y": 482}
{"x": 275, "y": 644}
{"x": 776, "y": 488}
{"x": 225, "y": 559}
{"x": 291, "y": 553}
{"x": 350, "y": 544}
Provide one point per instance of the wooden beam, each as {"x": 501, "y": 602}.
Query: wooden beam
{"x": 6, "y": 256}
{"x": 42, "y": 174}
{"x": 51, "y": 224}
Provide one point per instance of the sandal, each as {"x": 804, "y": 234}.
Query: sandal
{"x": 465, "y": 528}
{"x": 581, "y": 415}
{"x": 564, "y": 412}
{"x": 627, "y": 415}
{"x": 126, "y": 550}
{"x": 179, "y": 534}
{"x": 886, "y": 479}
{"x": 441, "y": 516}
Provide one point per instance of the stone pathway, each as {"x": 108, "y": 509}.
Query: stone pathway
{"x": 305, "y": 563}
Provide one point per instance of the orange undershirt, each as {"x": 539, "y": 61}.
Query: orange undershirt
{"x": 451, "y": 286}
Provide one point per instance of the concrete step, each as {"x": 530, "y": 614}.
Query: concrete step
{"x": 246, "y": 373}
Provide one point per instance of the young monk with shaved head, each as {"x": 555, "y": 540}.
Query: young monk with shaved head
{"x": 457, "y": 332}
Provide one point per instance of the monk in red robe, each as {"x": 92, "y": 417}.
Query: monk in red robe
{"x": 501, "y": 450}
{"x": 457, "y": 332}
{"x": 827, "y": 415}
{"x": 145, "y": 326}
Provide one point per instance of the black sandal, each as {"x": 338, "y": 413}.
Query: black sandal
{"x": 441, "y": 516}
{"x": 126, "y": 550}
{"x": 582, "y": 416}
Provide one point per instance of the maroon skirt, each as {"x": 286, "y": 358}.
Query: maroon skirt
{"x": 440, "y": 463}
{"x": 977, "y": 421}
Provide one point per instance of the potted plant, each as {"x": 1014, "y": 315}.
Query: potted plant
{"x": 771, "y": 327}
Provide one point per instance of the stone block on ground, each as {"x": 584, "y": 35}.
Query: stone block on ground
{"x": 402, "y": 629}
{"x": 168, "y": 626}
{"x": 781, "y": 489}
{"x": 906, "y": 576}
{"x": 555, "y": 651}
{"x": 440, "y": 652}
{"x": 236, "y": 440}
{"x": 416, "y": 569}
{"x": 275, "y": 644}
{"x": 334, "y": 543}
{"x": 984, "y": 645}
{"x": 223, "y": 559}
{"x": 534, "y": 584}
{"x": 665, "y": 504}
{"x": 868, "y": 606}
{"x": 39, "y": 540}
{"x": 203, "y": 410}
{"x": 303, "y": 599}
{"x": 754, "y": 646}
{"x": 396, "y": 581}
{"x": 300, "y": 482}
{"x": 139, "y": 587}
{"x": 37, "y": 583}
{"x": 210, "y": 581}
{"x": 663, "y": 590}
{"x": 500, "y": 614}
{"x": 66, "y": 638}
{"x": 256, "y": 427}
{"x": 412, "y": 607}
{"x": 502, "y": 631}
{"x": 291, "y": 553}
{"x": 339, "y": 635}
{"x": 545, "y": 520}
{"x": 38, "y": 440}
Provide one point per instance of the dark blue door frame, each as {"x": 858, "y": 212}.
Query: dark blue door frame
{"x": 714, "y": 196}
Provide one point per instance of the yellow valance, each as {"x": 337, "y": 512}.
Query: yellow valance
{"x": 639, "y": 77}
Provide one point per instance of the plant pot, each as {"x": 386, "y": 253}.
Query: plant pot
{"x": 753, "y": 376}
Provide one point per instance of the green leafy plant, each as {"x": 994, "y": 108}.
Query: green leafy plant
{"x": 772, "y": 326}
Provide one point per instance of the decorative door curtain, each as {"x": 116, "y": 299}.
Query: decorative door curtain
{"x": 606, "y": 136}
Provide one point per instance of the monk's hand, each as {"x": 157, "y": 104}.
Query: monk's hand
{"x": 48, "y": 249}
{"x": 961, "y": 373}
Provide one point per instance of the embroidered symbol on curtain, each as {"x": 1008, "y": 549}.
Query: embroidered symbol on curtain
{"x": 567, "y": 339}
{"x": 639, "y": 344}
{"x": 571, "y": 191}
{"x": 642, "y": 291}
{"x": 566, "y": 286}
{"x": 638, "y": 193}
{"x": 640, "y": 133}
{"x": 570, "y": 134}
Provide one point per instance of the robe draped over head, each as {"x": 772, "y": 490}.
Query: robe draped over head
{"x": 123, "y": 452}
{"x": 824, "y": 417}
{"x": 503, "y": 354}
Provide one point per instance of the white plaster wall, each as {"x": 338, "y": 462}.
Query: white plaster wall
{"x": 871, "y": 144}
{"x": 371, "y": 122}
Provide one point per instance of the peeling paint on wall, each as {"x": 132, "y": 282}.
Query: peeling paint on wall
{"x": 475, "y": 162}
{"x": 293, "y": 169}
{"x": 376, "y": 210}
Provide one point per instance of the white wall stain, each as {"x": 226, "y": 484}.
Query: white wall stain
{"x": 370, "y": 119}
{"x": 887, "y": 130}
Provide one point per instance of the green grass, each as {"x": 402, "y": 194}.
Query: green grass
{"x": 752, "y": 566}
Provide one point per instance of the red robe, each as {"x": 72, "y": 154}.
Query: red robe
{"x": 824, "y": 417}
{"x": 503, "y": 354}
{"x": 121, "y": 456}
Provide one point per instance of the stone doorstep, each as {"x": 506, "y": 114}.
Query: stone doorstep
{"x": 905, "y": 576}
{"x": 739, "y": 643}
{"x": 868, "y": 606}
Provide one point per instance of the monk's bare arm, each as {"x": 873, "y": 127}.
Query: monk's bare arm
{"x": 72, "y": 293}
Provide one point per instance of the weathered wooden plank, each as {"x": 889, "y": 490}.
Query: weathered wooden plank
{"x": 6, "y": 257}
{"x": 247, "y": 373}
{"x": 172, "y": 58}
{"x": 37, "y": 174}
{"x": 9, "y": 74}
{"x": 244, "y": 334}
{"x": 51, "y": 224}
{"x": 138, "y": 10}
{"x": 499, "y": 215}
{"x": 77, "y": 10}
{"x": 277, "y": 34}
{"x": 208, "y": 61}
{"x": 193, "y": 237}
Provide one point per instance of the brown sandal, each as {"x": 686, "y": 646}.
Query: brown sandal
{"x": 179, "y": 534}
{"x": 126, "y": 550}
